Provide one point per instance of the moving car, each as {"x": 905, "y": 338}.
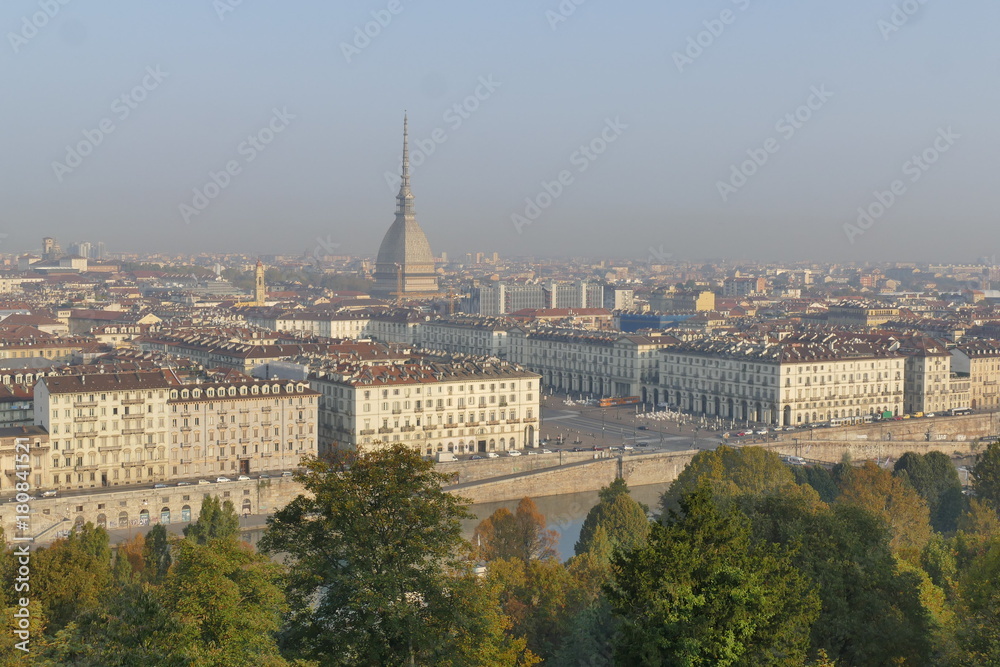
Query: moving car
{"x": 287, "y": 474}
{"x": 243, "y": 478}
{"x": 49, "y": 494}
{"x": 492, "y": 455}
{"x": 222, "y": 479}
{"x": 513, "y": 452}
{"x": 477, "y": 457}
{"x": 183, "y": 483}
{"x": 159, "y": 486}
{"x": 546, "y": 451}
{"x": 204, "y": 481}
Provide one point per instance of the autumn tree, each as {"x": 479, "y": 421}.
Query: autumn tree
{"x": 521, "y": 534}
{"x": 72, "y": 575}
{"x": 895, "y": 501}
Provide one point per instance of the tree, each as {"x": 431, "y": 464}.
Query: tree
{"x": 935, "y": 478}
{"x": 72, "y": 574}
{"x": 980, "y": 610}
{"x": 522, "y": 534}
{"x": 215, "y": 521}
{"x": 702, "y": 592}
{"x": 228, "y": 600}
{"x": 623, "y": 519}
{"x": 895, "y": 501}
{"x": 986, "y": 476}
{"x": 730, "y": 473}
{"x": 871, "y": 613}
{"x": 156, "y": 554}
{"x": 820, "y": 479}
{"x": 372, "y": 551}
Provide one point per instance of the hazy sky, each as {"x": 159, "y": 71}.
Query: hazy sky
{"x": 534, "y": 81}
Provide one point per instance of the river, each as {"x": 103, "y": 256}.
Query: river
{"x": 564, "y": 514}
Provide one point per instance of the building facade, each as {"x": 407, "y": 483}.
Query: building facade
{"x": 462, "y": 408}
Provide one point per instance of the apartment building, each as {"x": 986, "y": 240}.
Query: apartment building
{"x": 801, "y": 379}
{"x": 106, "y": 429}
{"x": 473, "y": 406}
{"x": 473, "y": 336}
{"x": 24, "y": 451}
{"x": 121, "y": 429}
{"x": 240, "y": 428}
{"x": 979, "y": 361}
{"x": 860, "y": 314}
{"x": 930, "y": 385}
{"x": 606, "y": 364}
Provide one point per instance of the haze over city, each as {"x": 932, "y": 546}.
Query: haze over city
{"x": 833, "y": 99}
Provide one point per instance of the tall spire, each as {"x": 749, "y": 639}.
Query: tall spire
{"x": 404, "y": 201}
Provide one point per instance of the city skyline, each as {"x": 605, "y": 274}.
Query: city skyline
{"x": 737, "y": 130}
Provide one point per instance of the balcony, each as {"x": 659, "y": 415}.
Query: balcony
{"x": 132, "y": 431}
{"x": 407, "y": 429}
{"x": 133, "y": 401}
{"x": 109, "y": 448}
{"x": 367, "y": 431}
{"x": 87, "y": 418}
{"x": 513, "y": 421}
{"x": 85, "y": 404}
{"x": 418, "y": 409}
{"x": 86, "y": 468}
{"x": 439, "y": 408}
{"x": 149, "y": 445}
{"x": 266, "y": 408}
{"x": 134, "y": 415}
{"x": 451, "y": 426}
{"x": 472, "y": 423}
{"x": 492, "y": 422}
{"x": 385, "y": 430}
{"x": 529, "y": 420}
{"x": 429, "y": 427}
{"x": 133, "y": 464}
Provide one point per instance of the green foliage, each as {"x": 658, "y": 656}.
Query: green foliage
{"x": 730, "y": 473}
{"x": 156, "y": 554}
{"x": 980, "y": 610}
{"x": 986, "y": 476}
{"x": 71, "y": 575}
{"x": 935, "y": 478}
{"x": 228, "y": 600}
{"x": 702, "y": 592}
{"x": 216, "y": 521}
{"x": 820, "y": 479}
{"x": 623, "y": 520}
{"x": 372, "y": 548}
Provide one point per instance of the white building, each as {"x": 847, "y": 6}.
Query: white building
{"x": 461, "y": 407}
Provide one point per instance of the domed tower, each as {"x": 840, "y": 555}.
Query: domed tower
{"x": 405, "y": 264}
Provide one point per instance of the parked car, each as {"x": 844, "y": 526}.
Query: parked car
{"x": 513, "y": 452}
{"x": 763, "y": 431}
{"x": 49, "y": 494}
{"x": 477, "y": 457}
{"x": 243, "y": 478}
{"x": 628, "y": 448}
{"x": 222, "y": 479}
{"x": 204, "y": 481}
{"x": 159, "y": 486}
{"x": 642, "y": 428}
{"x": 546, "y": 451}
{"x": 183, "y": 483}
{"x": 263, "y": 477}
{"x": 492, "y": 455}
{"x": 287, "y": 474}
